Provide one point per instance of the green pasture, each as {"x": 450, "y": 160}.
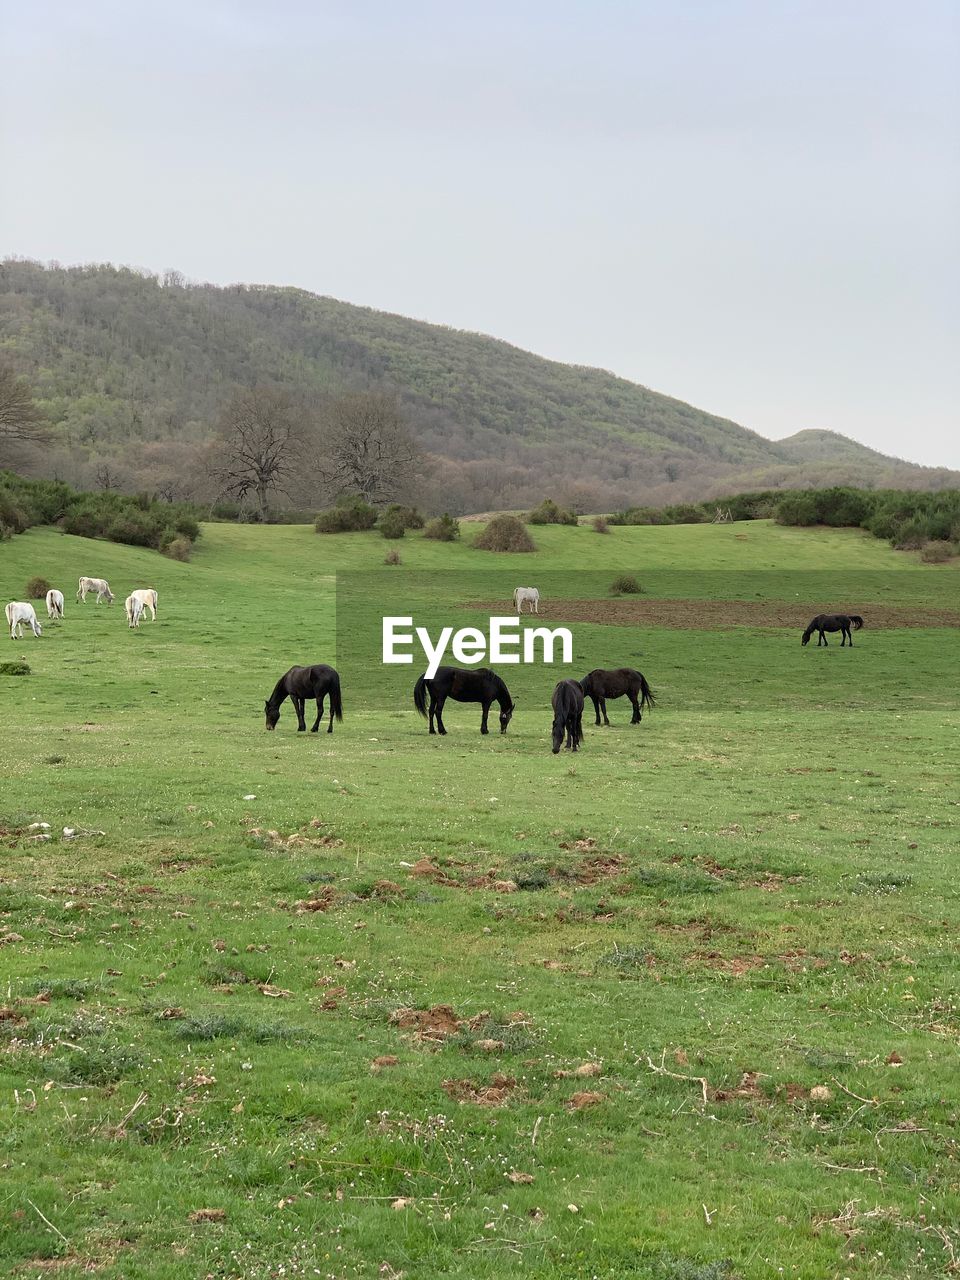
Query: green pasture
{"x": 737, "y": 921}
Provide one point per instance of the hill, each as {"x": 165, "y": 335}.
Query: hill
{"x": 132, "y": 368}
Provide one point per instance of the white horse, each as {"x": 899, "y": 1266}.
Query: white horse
{"x": 54, "y": 603}
{"x": 100, "y": 585}
{"x": 529, "y": 594}
{"x": 134, "y": 610}
{"x": 19, "y": 612}
{"x": 147, "y": 597}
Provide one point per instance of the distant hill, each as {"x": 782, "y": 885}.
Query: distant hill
{"x": 132, "y": 369}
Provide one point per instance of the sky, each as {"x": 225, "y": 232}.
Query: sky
{"x": 752, "y": 205}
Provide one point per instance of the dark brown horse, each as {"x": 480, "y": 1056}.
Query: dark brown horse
{"x": 833, "y": 622}
{"x": 600, "y": 685}
{"x": 299, "y": 684}
{"x": 567, "y": 715}
{"x": 481, "y": 685}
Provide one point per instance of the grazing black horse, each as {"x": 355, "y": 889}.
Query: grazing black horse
{"x": 299, "y": 684}
{"x": 600, "y": 685}
{"x": 567, "y": 715}
{"x": 833, "y": 622}
{"x": 482, "y": 685}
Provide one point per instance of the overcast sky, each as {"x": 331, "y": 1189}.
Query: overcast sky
{"x": 752, "y": 205}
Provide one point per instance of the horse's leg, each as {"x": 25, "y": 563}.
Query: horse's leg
{"x": 441, "y": 727}
{"x": 298, "y": 705}
{"x": 822, "y": 641}
{"x": 603, "y": 708}
{"x": 483, "y": 719}
{"x": 316, "y": 723}
{"x": 596, "y": 707}
{"x": 637, "y": 714}
{"x": 330, "y": 725}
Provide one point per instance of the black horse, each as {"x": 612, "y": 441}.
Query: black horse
{"x": 567, "y": 715}
{"x": 833, "y": 622}
{"x": 482, "y": 685}
{"x": 299, "y": 684}
{"x": 600, "y": 685}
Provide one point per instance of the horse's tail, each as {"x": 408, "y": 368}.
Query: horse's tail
{"x": 420, "y": 695}
{"x": 857, "y": 621}
{"x": 516, "y": 592}
{"x": 336, "y": 702}
{"x": 646, "y": 694}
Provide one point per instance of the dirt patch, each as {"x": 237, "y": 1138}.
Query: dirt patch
{"x": 749, "y": 1087}
{"x": 715, "y": 615}
{"x": 428, "y": 1024}
{"x": 496, "y": 1093}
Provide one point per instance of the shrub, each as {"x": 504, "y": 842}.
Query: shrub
{"x": 14, "y": 668}
{"x": 178, "y": 549}
{"x": 350, "y": 515}
{"x": 392, "y": 525}
{"x": 37, "y": 589}
{"x": 504, "y": 533}
{"x": 937, "y": 552}
{"x": 443, "y": 529}
{"x": 549, "y": 513}
{"x": 392, "y": 557}
{"x": 600, "y": 524}
{"x": 411, "y": 517}
{"x": 797, "y": 509}
{"x": 188, "y": 527}
{"x": 625, "y": 585}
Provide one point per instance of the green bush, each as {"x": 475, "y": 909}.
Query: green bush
{"x": 442, "y": 529}
{"x": 411, "y": 517}
{"x": 37, "y": 589}
{"x": 350, "y": 515}
{"x": 625, "y": 584}
{"x": 14, "y": 668}
{"x": 504, "y": 533}
{"x": 392, "y": 525}
{"x": 549, "y": 513}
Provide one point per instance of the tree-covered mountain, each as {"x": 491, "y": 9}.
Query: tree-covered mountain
{"x": 132, "y": 371}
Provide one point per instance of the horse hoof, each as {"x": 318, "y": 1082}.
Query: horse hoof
{"x": 315, "y": 729}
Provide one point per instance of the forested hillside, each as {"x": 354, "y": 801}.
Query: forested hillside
{"x": 131, "y": 370}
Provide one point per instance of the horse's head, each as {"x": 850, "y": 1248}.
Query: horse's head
{"x": 557, "y": 734}
{"x": 805, "y": 638}
{"x": 505, "y": 715}
{"x": 272, "y": 714}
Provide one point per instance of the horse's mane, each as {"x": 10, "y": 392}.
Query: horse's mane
{"x": 279, "y": 692}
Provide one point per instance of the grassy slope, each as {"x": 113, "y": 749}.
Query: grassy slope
{"x": 810, "y": 849}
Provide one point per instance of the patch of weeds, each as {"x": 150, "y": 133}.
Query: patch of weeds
{"x": 217, "y": 1026}
{"x": 54, "y": 759}
{"x": 880, "y": 882}
{"x": 670, "y": 882}
{"x": 667, "y": 1266}
{"x": 100, "y": 1062}
{"x": 221, "y": 972}
{"x": 493, "y": 1034}
{"x": 319, "y": 877}
{"x": 825, "y": 1059}
{"x": 14, "y": 668}
{"x": 63, "y": 988}
{"x": 531, "y": 879}
{"x": 627, "y": 960}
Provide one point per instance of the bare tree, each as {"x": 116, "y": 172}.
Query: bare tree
{"x": 20, "y": 420}
{"x": 367, "y": 448}
{"x": 259, "y": 445}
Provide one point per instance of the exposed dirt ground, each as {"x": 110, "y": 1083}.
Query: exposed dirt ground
{"x": 712, "y": 615}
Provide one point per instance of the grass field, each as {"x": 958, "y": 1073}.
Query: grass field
{"x": 682, "y": 1007}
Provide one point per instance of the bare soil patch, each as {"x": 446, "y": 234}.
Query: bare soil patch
{"x": 714, "y": 615}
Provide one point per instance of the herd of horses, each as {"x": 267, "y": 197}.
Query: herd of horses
{"x": 477, "y": 685}
{"x": 21, "y": 613}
